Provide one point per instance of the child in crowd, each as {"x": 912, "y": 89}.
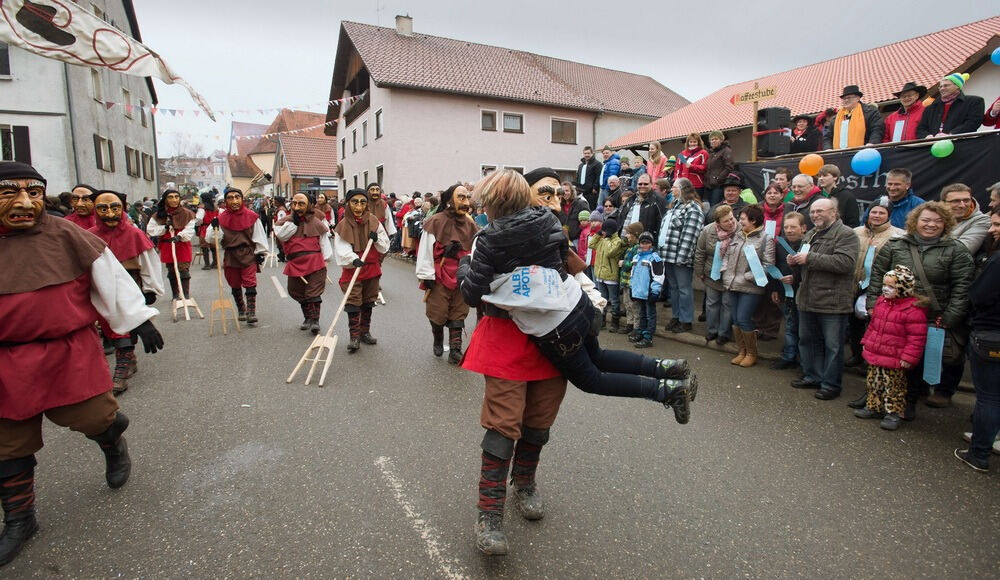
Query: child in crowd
{"x": 523, "y": 242}
{"x": 793, "y": 225}
{"x": 646, "y": 284}
{"x": 587, "y": 222}
{"x": 608, "y": 249}
{"x": 893, "y": 344}
{"x": 632, "y": 232}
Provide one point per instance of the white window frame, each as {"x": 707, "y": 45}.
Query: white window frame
{"x": 355, "y": 181}
{"x": 133, "y": 162}
{"x": 576, "y": 126}
{"x": 343, "y": 147}
{"x": 503, "y": 128}
{"x": 96, "y": 85}
{"x": 147, "y": 167}
{"x": 518, "y": 168}
{"x": 104, "y": 162}
{"x": 142, "y": 113}
{"x": 496, "y": 120}
{"x": 364, "y": 178}
{"x": 354, "y": 140}
{"x": 379, "y": 174}
{"x": 364, "y": 133}
{"x": 379, "y": 124}
{"x": 127, "y": 102}
{"x": 483, "y": 166}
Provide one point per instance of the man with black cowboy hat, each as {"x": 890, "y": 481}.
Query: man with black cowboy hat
{"x": 245, "y": 247}
{"x": 805, "y": 137}
{"x": 856, "y": 124}
{"x": 174, "y": 224}
{"x": 56, "y": 280}
{"x": 135, "y": 252}
{"x": 349, "y": 241}
{"x": 447, "y": 237}
{"x": 305, "y": 236}
{"x": 901, "y": 125}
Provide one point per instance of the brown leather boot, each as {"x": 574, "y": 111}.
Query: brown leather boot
{"x": 750, "y": 342}
{"x": 740, "y": 344}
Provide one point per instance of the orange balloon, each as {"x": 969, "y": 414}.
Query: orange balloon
{"x": 810, "y": 164}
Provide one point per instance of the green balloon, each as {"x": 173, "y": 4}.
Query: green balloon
{"x": 942, "y": 149}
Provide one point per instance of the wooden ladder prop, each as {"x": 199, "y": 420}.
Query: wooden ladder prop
{"x": 223, "y": 305}
{"x": 183, "y": 302}
{"x": 322, "y": 346}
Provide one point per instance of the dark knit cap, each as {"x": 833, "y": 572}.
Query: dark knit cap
{"x": 18, "y": 170}
{"x": 646, "y": 237}
{"x": 536, "y": 175}
{"x": 356, "y": 192}
{"x": 609, "y": 227}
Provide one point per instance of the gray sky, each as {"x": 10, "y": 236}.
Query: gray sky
{"x": 264, "y": 54}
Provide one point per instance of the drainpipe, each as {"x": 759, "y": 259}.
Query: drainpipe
{"x": 72, "y": 125}
{"x": 593, "y": 140}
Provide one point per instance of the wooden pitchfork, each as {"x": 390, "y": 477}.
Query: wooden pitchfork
{"x": 322, "y": 346}
{"x": 223, "y": 305}
{"x": 183, "y": 302}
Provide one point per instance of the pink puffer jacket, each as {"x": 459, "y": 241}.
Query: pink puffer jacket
{"x": 897, "y": 331}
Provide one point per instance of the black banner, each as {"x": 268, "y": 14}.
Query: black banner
{"x": 975, "y": 162}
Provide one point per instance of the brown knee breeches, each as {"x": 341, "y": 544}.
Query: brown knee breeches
{"x": 90, "y": 417}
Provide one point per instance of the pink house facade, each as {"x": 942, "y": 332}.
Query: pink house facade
{"x": 434, "y": 111}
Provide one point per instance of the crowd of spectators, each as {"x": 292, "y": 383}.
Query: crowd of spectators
{"x": 802, "y": 252}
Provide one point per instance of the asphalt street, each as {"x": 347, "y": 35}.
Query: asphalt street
{"x": 238, "y": 474}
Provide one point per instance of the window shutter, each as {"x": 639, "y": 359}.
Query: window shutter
{"x": 22, "y": 145}
{"x": 111, "y": 155}
{"x": 98, "y": 154}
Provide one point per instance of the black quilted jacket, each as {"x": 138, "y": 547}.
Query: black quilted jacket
{"x": 532, "y": 236}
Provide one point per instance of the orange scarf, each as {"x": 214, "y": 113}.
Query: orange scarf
{"x": 855, "y": 128}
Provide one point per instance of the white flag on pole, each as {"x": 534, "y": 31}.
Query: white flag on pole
{"x": 64, "y": 31}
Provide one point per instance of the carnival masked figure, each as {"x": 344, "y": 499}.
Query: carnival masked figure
{"x": 350, "y": 238}
{"x": 305, "y": 238}
{"x": 56, "y": 280}
{"x": 380, "y": 209}
{"x": 447, "y": 237}
{"x": 81, "y": 199}
{"x": 135, "y": 252}
{"x": 174, "y": 225}
{"x": 245, "y": 247}
{"x": 204, "y": 216}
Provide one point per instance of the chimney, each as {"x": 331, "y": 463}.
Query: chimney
{"x": 404, "y": 25}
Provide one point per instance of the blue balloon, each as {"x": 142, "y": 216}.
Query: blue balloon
{"x": 995, "y": 56}
{"x": 866, "y": 161}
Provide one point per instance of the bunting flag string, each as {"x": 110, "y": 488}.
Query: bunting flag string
{"x": 262, "y": 135}
{"x": 153, "y": 110}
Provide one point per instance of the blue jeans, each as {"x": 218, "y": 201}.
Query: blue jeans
{"x": 601, "y": 197}
{"x": 718, "y": 316}
{"x": 986, "y": 413}
{"x": 821, "y": 348}
{"x": 743, "y": 305}
{"x": 647, "y": 317}
{"x": 791, "y": 349}
{"x": 610, "y": 292}
{"x": 681, "y": 291}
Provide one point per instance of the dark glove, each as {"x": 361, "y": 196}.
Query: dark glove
{"x": 357, "y": 263}
{"x": 161, "y": 211}
{"x": 373, "y": 236}
{"x": 452, "y": 250}
{"x": 151, "y": 339}
{"x": 296, "y": 219}
{"x": 260, "y": 259}
{"x": 428, "y": 284}
{"x": 215, "y": 223}
{"x": 150, "y": 297}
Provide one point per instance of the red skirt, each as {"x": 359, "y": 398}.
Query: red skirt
{"x": 499, "y": 349}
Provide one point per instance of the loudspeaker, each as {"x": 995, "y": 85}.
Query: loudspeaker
{"x": 773, "y": 144}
